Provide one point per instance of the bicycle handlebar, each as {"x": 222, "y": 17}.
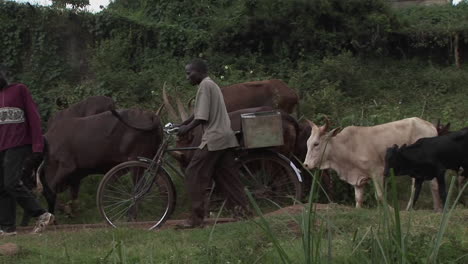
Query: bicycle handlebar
{"x": 171, "y": 129}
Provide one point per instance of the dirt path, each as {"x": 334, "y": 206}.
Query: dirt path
{"x": 294, "y": 209}
{"x": 141, "y": 225}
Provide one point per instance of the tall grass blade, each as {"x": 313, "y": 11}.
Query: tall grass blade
{"x": 444, "y": 222}
{"x": 216, "y": 221}
{"x": 381, "y": 248}
{"x": 284, "y": 257}
{"x": 399, "y": 236}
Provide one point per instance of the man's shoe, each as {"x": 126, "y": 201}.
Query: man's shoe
{"x": 43, "y": 221}
{"x": 7, "y": 234}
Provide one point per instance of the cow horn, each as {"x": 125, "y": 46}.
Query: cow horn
{"x": 182, "y": 111}
{"x": 189, "y": 104}
{"x": 447, "y": 127}
{"x": 170, "y": 110}
{"x": 324, "y": 128}
{"x": 327, "y": 124}
{"x": 158, "y": 112}
{"x": 310, "y": 122}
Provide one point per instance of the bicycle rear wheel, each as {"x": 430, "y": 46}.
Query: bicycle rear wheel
{"x": 271, "y": 180}
{"x": 130, "y": 194}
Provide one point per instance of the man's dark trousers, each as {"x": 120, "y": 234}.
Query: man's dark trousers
{"x": 200, "y": 173}
{"x": 12, "y": 189}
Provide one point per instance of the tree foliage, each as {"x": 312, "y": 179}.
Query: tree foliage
{"x": 75, "y": 4}
{"x": 132, "y": 48}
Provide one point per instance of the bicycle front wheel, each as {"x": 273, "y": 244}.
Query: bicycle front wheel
{"x": 271, "y": 180}
{"x": 129, "y": 193}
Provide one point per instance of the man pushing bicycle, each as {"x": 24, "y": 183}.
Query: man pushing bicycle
{"x": 215, "y": 151}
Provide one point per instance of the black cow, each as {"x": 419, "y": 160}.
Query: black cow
{"x": 429, "y": 158}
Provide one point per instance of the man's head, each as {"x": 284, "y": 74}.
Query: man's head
{"x": 196, "y": 71}
{"x": 3, "y": 78}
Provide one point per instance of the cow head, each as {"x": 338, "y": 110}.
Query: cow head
{"x": 188, "y": 140}
{"x": 316, "y": 144}
{"x": 191, "y": 139}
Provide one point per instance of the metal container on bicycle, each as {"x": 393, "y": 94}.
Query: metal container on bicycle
{"x": 262, "y": 129}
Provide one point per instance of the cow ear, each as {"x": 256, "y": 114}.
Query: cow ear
{"x": 335, "y": 131}
{"x": 447, "y": 127}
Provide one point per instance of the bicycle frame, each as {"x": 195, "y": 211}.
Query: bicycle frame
{"x": 155, "y": 171}
{"x": 158, "y": 158}
{"x": 156, "y": 163}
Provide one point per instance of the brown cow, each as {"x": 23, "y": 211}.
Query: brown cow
{"x": 81, "y": 146}
{"x": 193, "y": 139}
{"x": 89, "y": 106}
{"x": 274, "y": 93}
{"x": 357, "y": 154}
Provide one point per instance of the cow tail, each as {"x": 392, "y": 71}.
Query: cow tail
{"x": 120, "y": 118}
{"x": 298, "y": 110}
{"x": 292, "y": 120}
{"x": 40, "y": 179}
{"x": 47, "y": 192}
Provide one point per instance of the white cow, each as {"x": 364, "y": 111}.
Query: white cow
{"x": 357, "y": 154}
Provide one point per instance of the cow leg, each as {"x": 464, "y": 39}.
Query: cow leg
{"x": 51, "y": 198}
{"x": 378, "y": 184}
{"x": 359, "y": 195}
{"x": 74, "y": 191}
{"x": 438, "y": 205}
{"x": 327, "y": 182}
{"x": 417, "y": 190}
{"x": 461, "y": 182}
{"x": 411, "y": 200}
{"x": 442, "y": 188}
{"x": 49, "y": 194}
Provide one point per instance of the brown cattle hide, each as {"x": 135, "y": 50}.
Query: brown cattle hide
{"x": 273, "y": 93}
{"x": 89, "y": 106}
{"x": 96, "y": 143}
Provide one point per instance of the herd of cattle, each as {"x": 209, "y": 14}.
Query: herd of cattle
{"x": 91, "y": 137}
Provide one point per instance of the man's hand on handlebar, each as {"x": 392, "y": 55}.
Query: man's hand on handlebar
{"x": 183, "y": 130}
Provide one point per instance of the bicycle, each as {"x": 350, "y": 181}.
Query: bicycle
{"x": 142, "y": 190}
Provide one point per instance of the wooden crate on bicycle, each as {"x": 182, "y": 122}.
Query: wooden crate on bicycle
{"x": 262, "y": 129}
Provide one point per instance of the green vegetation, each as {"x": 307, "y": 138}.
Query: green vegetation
{"x": 359, "y": 62}
{"x": 353, "y": 235}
